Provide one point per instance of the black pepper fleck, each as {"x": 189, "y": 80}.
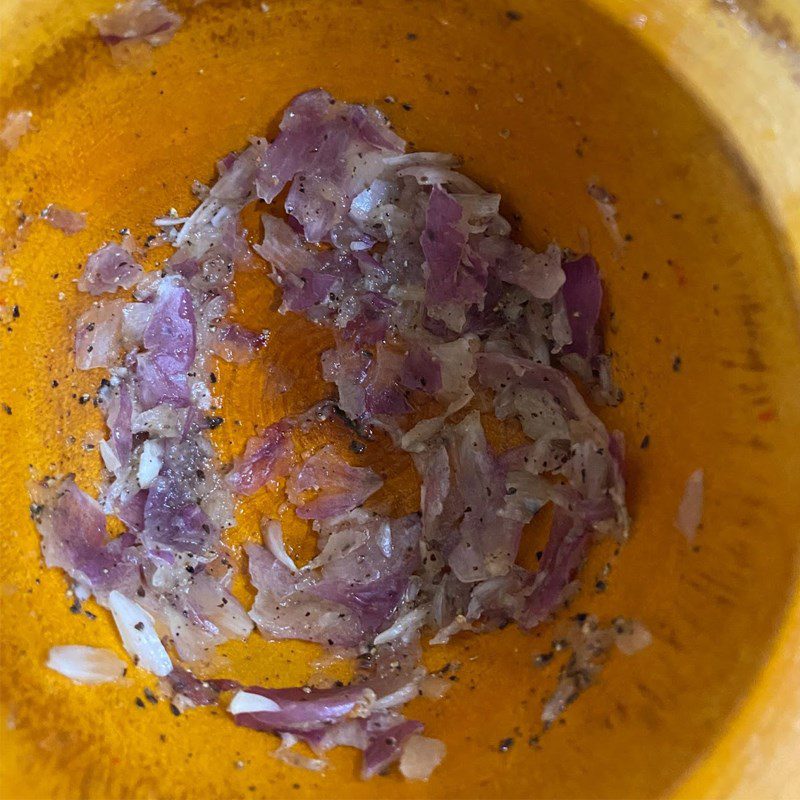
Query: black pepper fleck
{"x": 514, "y": 16}
{"x": 645, "y": 441}
{"x": 139, "y": 702}
{"x": 505, "y": 745}
{"x": 676, "y": 364}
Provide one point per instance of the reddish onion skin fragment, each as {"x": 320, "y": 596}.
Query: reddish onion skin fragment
{"x": 421, "y": 371}
{"x": 583, "y": 296}
{"x": 137, "y": 21}
{"x": 558, "y": 567}
{"x": 350, "y": 592}
{"x": 443, "y": 244}
{"x": 340, "y": 487}
{"x": 64, "y": 219}
{"x": 296, "y": 710}
{"x": 170, "y": 342}
{"x": 387, "y": 746}
{"x": 237, "y": 344}
{"x": 198, "y": 692}
{"x": 332, "y": 151}
{"x": 75, "y": 538}
{"x": 266, "y": 458}
{"x": 110, "y": 268}
{"x": 322, "y": 718}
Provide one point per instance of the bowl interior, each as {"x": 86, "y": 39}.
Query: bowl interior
{"x": 538, "y": 103}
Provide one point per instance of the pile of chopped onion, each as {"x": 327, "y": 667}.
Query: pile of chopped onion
{"x": 433, "y": 306}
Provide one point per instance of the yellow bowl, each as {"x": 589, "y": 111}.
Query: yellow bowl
{"x": 689, "y": 113}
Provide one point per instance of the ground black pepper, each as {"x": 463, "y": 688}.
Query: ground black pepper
{"x": 506, "y": 744}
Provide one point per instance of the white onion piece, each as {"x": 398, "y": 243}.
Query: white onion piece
{"x": 81, "y": 591}
{"x": 633, "y": 638}
{"x": 408, "y": 622}
{"x": 420, "y": 757}
{"x": 420, "y": 158}
{"x": 273, "y": 537}
{"x": 139, "y": 635}
{"x": 150, "y": 462}
{"x": 163, "y": 420}
{"x": 83, "y": 664}
{"x": 690, "y": 510}
{"x": 385, "y": 539}
{"x": 293, "y": 758}
{"x": 249, "y": 703}
{"x": 406, "y": 692}
{"x": 434, "y": 687}
{"x": 109, "y": 455}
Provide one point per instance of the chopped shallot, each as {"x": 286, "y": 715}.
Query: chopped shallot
{"x": 420, "y": 757}
{"x": 138, "y": 634}
{"x": 15, "y": 126}
{"x": 82, "y": 664}
{"x": 430, "y": 305}
{"x": 690, "y": 509}
{"x": 64, "y": 219}
{"x": 137, "y": 21}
